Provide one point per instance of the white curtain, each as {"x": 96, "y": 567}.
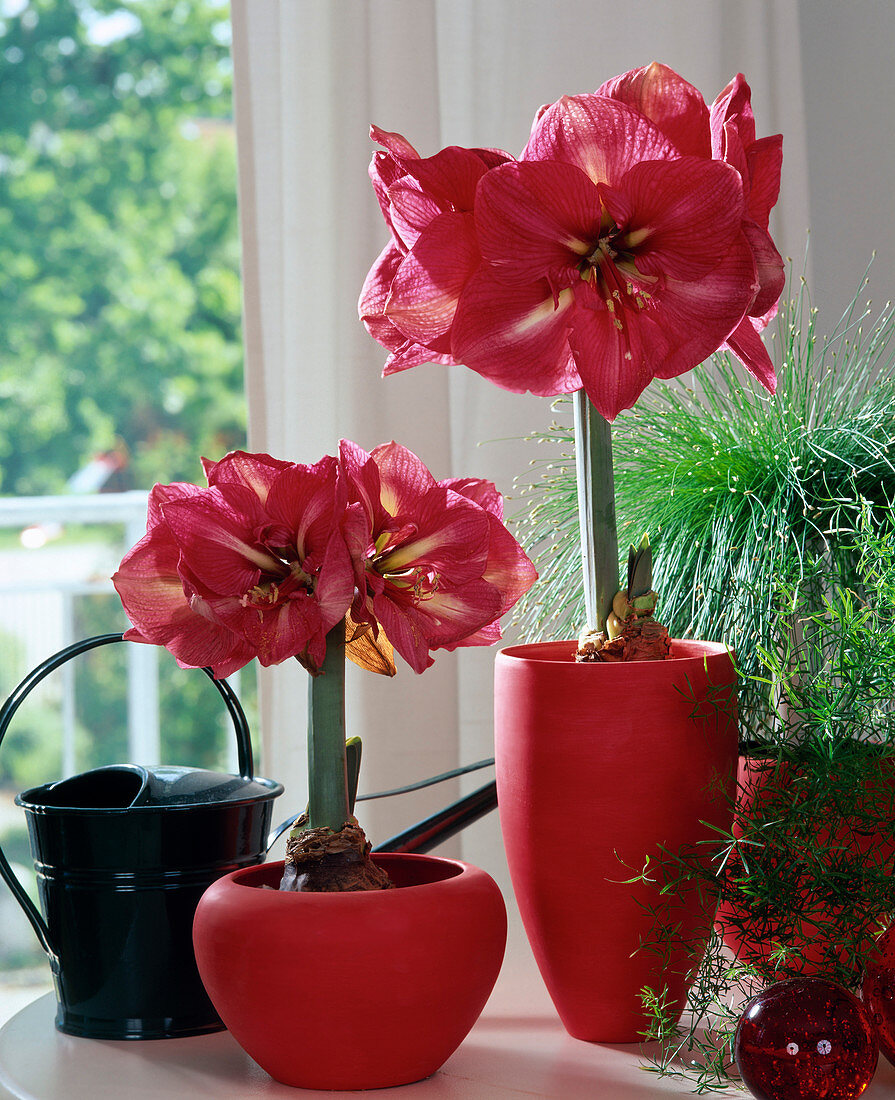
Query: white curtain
{"x": 311, "y": 75}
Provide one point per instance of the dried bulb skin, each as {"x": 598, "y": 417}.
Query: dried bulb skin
{"x": 632, "y": 634}
{"x": 323, "y": 861}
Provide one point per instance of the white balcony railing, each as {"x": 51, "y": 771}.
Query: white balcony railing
{"x": 44, "y": 625}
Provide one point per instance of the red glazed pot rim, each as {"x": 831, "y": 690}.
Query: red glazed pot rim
{"x": 440, "y": 871}
{"x": 682, "y": 649}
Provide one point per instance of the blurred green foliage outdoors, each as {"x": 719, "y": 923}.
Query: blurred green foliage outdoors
{"x": 119, "y": 252}
{"x": 120, "y": 311}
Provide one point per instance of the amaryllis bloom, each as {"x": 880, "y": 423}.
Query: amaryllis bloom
{"x": 726, "y": 131}
{"x": 410, "y": 295}
{"x": 436, "y": 568}
{"x": 629, "y": 242}
{"x": 253, "y": 566}
{"x": 609, "y": 260}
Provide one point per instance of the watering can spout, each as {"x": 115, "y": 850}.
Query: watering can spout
{"x": 117, "y": 786}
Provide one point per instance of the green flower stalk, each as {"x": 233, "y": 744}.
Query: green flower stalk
{"x": 627, "y": 242}
{"x": 328, "y": 798}
{"x": 596, "y": 511}
{"x": 358, "y": 555}
{"x": 734, "y": 486}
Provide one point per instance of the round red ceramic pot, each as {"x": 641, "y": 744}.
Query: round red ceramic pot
{"x": 352, "y": 990}
{"x": 599, "y": 767}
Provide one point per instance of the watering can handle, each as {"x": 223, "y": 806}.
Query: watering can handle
{"x": 12, "y": 704}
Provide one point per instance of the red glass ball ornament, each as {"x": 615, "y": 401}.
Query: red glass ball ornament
{"x": 806, "y": 1039}
{"x": 878, "y": 991}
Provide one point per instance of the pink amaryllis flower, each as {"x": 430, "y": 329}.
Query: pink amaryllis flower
{"x": 409, "y": 297}
{"x": 609, "y": 260}
{"x": 436, "y": 568}
{"x": 629, "y": 242}
{"x": 726, "y": 131}
{"x": 255, "y": 565}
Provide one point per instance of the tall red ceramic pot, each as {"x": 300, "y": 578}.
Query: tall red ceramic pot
{"x": 352, "y": 990}
{"x": 599, "y": 768}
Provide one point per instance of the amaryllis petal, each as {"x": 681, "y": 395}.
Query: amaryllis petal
{"x": 669, "y": 101}
{"x": 764, "y": 161}
{"x": 515, "y": 336}
{"x": 410, "y": 354}
{"x": 396, "y": 143}
{"x": 449, "y": 611}
{"x": 404, "y": 630}
{"x": 615, "y": 364}
{"x": 403, "y": 479}
{"x": 451, "y": 538}
{"x": 217, "y": 543}
{"x": 152, "y": 595}
{"x": 384, "y": 171}
{"x": 411, "y": 210}
{"x": 375, "y": 291}
{"x": 430, "y": 279}
{"x": 256, "y": 472}
{"x": 363, "y": 484}
{"x": 769, "y": 265}
{"x": 484, "y": 493}
{"x": 733, "y": 104}
{"x": 488, "y": 635}
{"x": 334, "y": 590}
{"x": 669, "y": 197}
{"x": 694, "y": 314}
{"x": 600, "y": 136}
{"x": 405, "y": 353}
{"x": 747, "y": 346}
{"x": 450, "y": 176}
{"x": 439, "y": 622}
{"x": 509, "y": 568}
{"x": 734, "y": 152}
{"x": 161, "y": 494}
{"x": 304, "y": 501}
{"x": 531, "y": 219}
{"x": 275, "y": 631}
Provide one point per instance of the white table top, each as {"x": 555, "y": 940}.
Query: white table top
{"x": 517, "y": 1049}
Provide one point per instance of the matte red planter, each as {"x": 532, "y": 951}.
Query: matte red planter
{"x": 753, "y": 937}
{"x": 352, "y": 990}
{"x": 598, "y": 766}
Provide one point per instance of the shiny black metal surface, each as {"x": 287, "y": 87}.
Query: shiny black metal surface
{"x": 123, "y": 854}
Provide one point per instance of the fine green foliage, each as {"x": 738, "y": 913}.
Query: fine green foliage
{"x": 805, "y": 877}
{"x": 119, "y": 256}
{"x": 735, "y": 487}
{"x": 772, "y": 532}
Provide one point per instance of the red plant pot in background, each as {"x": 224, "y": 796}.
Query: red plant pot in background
{"x": 352, "y": 990}
{"x": 752, "y": 935}
{"x": 598, "y": 767}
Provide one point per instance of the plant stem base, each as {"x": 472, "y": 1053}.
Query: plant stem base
{"x": 323, "y": 861}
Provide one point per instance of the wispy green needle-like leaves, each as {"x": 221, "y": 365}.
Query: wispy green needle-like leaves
{"x": 734, "y": 486}
{"x": 771, "y": 523}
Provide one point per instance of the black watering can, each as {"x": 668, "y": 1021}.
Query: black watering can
{"x": 123, "y": 854}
